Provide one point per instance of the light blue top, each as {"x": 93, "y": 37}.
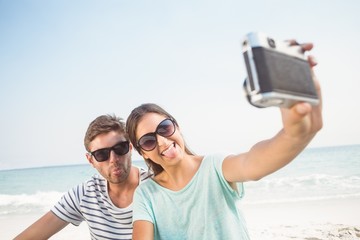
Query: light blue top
{"x": 206, "y": 208}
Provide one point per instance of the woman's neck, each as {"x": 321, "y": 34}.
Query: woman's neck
{"x": 178, "y": 176}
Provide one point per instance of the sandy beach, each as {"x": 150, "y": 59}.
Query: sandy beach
{"x": 13, "y": 225}
{"x": 312, "y": 220}
{"x": 315, "y": 198}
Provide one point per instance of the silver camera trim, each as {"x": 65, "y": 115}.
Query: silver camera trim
{"x": 256, "y": 97}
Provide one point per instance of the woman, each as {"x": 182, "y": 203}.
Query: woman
{"x": 196, "y": 197}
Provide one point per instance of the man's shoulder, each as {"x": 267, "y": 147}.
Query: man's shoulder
{"x": 144, "y": 174}
{"x": 93, "y": 184}
{"x": 95, "y": 180}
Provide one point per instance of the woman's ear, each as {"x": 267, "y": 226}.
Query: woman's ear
{"x": 143, "y": 154}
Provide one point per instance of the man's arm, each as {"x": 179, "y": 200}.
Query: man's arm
{"x": 44, "y": 228}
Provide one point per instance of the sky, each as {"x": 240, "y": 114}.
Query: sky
{"x": 63, "y": 63}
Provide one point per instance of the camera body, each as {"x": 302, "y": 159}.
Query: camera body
{"x": 278, "y": 74}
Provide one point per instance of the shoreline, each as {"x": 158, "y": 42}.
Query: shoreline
{"x": 330, "y": 210}
{"x": 316, "y": 220}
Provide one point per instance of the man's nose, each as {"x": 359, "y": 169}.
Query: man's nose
{"x": 113, "y": 156}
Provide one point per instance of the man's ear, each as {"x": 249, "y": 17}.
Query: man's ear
{"x": 90, "y": 159}
{"x": 132, "y": 147}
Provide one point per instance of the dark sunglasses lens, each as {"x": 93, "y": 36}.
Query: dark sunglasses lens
{"x": 166, "y": 128}
{"x": 147, "y": 142}
{"x": 121, "y": 148}
{"x": 101, "y": 155}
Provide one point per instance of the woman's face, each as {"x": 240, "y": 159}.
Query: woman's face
{"x": 168, "y": 150}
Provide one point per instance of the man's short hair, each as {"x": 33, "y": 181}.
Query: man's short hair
{"x": 104, "y": 124}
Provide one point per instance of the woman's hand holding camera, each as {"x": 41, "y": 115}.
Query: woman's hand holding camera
{"x": 303, "y": 121}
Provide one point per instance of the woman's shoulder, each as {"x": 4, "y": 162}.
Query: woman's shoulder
{"x": 147, "y": 187}
{"x": 214, "y": 157}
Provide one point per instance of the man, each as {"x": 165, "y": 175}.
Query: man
{"x": 104, "y": 202}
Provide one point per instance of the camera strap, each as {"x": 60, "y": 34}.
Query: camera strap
{"x": 248, "y": 94}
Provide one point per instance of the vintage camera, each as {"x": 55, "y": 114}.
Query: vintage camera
{"x": 278, "y": 74}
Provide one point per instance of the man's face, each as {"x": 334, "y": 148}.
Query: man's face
{"x": 117, "y": 168}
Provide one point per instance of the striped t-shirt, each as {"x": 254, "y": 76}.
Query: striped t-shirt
{"x": 90, "y": 201}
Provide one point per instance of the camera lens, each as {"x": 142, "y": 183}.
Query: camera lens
{"x": 271, "y": 42}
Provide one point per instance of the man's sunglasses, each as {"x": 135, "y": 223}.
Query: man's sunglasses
{"x": 103, "y": 154}
{"x": 148, "y": 142}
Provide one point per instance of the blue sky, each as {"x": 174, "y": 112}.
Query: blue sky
{"x": 63, "y": 63}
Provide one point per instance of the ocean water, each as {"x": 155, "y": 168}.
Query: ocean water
{"x": 316, "y": 174}
{"x": 327, "y": 173}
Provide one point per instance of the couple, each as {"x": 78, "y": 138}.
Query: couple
{"x": 186, "y": 196}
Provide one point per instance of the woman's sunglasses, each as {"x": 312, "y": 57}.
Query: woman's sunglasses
{"x": 148, "y": 142}
{"x": 103, "y": 154}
